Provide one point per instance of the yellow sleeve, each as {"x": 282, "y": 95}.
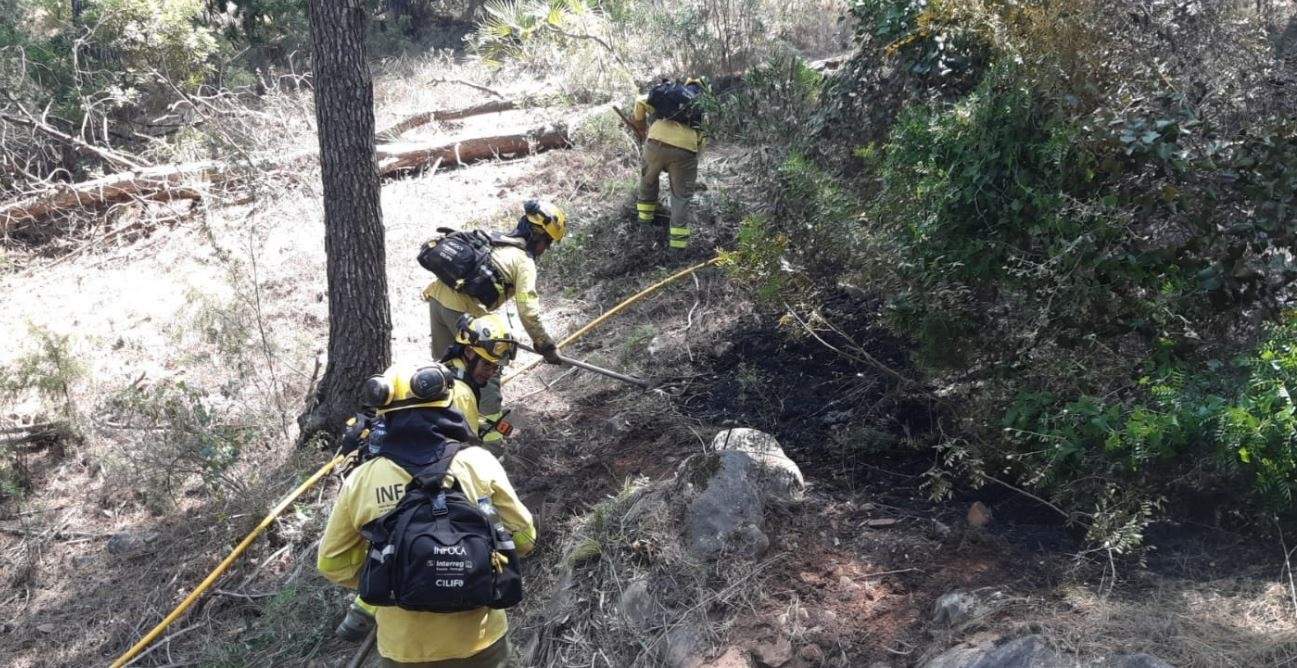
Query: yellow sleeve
{"x": 523, "y": 271}
{"x": 642, "y": 109}
{"x": 515, "y": 516}
{"x": 342, "y": 548}
{"x": 462, "y": 400}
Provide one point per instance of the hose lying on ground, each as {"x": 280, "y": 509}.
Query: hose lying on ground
{"x": 283, "y": 505}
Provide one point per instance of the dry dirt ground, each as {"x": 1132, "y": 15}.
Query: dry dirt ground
{"x": 231, "y": 301}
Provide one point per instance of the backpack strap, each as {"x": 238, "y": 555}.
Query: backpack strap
{"x": 501, "y": 239}
{"x": 430, "y": 476}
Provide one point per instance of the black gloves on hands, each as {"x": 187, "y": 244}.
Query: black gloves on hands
{"x": 550, "y": 352}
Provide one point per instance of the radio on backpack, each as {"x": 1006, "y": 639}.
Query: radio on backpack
{"x": 462, "y": 260}
{"x": 439, "y": 551}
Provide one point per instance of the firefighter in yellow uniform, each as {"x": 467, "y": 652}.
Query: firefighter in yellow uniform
{"x": 542, "y": 224}
{"x": 463, "y": 400}
{"x": 415, "y": 436}
{"x": 670, "y": 146}
{"x": 483, "y": 346}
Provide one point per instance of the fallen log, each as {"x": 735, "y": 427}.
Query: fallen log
{"x": 198, "y": 179}
{"x": 403, "y": 158}
{"x": 423, "y": 118}
{"x": 161, "y": 183}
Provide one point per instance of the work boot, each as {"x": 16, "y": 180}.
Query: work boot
{"x": 355, "y": 625}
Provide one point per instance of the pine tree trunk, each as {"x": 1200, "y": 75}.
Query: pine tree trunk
{"x": 360, "y": 324}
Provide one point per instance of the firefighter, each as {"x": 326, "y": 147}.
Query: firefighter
{"x": 672, "y": 142}
{"x": 483, "y": 345}
{"x": 416, "y": 434}
{"x": 368, "y": 431}
{"x": 514, "y": 256}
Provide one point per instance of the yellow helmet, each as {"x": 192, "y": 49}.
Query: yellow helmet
{"x": 488, "y": 335}
{"x": 405, "y": 385}
{"x": 545, "y": 215}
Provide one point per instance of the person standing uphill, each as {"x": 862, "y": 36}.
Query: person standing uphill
{"x": 672, "y": 143}
{"x": 508, "y": 272}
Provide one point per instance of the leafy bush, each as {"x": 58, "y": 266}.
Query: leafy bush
{"x": 179, "y": 433}
{"x": 1091, "y": 261}
{"x": 51, "y": 371}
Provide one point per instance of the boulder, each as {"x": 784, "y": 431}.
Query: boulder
{"x": 1026, "y": 652}
{"x": 724, "y": 511}
{"x": 725, "y": 493}
{"x": 773, "y": 466}
{"x": 1033, "y": 651}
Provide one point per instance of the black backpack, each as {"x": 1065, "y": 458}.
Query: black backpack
{"x": 462, "y": 260}
{"x": 439, "y": 551}
{"x": 679, "y": 102}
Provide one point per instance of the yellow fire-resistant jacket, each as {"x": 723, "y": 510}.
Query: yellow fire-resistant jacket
{"x": 373, "y": 489}
{"x": 462, "y": 398}
{"x": 667, "y": 131}
{"x": 519, "y": 272}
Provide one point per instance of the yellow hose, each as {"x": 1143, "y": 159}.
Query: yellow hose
{"x": 324, "y": 470}
{"x": 615, "y": 310}
{"x": 224, "y": 565}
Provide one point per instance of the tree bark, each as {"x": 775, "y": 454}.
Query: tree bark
{"x": 360, "y": 323}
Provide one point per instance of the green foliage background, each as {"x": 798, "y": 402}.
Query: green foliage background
{"x": 1091, "y": 255}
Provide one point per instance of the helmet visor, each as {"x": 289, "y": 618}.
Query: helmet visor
{"x": 499, "y": 351}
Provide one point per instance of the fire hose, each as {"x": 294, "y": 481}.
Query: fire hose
{"x": 238, "y": 551}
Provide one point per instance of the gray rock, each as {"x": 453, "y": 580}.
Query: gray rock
{"x": 130, "y": 542}
{"x": 723, "y": 503}
{"x": 954, "y": 609}
{"x": 1033, "y": 651}
{"x": 773, "y": 466}
{"x": 725, "y": 493}
{"x": 637, "y": 605}
{"x": 1025, "y": 652}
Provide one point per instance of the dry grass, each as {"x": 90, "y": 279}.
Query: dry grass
{"x": 1233, "y": 622}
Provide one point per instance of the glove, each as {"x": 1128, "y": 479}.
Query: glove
{"x": 550, "y": 352}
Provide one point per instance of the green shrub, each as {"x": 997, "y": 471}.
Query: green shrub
{"x": 179, "y": 433}
{"x": 51, "y": 370}
{"x": 1230, "y": 425}
{"x": 1090, "y": 266}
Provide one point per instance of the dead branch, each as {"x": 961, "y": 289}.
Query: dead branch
{"x": 39, "y": 426}
{"x": 470, "y": 84}
{"x": 109, "y": 156}
{"x": 161, "y": 183}
{"x": 423, "y": 118}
